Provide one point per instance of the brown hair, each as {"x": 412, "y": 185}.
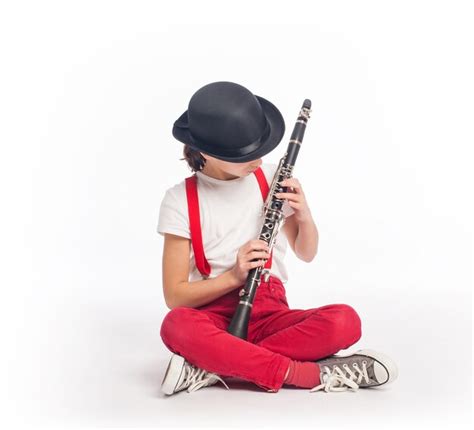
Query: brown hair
{"x": 194, "y": 158}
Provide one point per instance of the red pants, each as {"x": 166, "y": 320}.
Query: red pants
{"x": 276, "y": 335}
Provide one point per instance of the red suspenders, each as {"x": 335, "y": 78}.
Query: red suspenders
{"x": 195, "y": 220}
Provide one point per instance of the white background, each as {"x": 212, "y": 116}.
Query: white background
{"x": 89, "y": 93}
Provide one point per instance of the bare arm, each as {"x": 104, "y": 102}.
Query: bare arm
{"x": 177, "y": 290}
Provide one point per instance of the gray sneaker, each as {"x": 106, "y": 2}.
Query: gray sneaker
{"x": 363, "y": 369}
{"x": 181, "y": 375}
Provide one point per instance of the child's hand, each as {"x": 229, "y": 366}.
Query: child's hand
{"x": 252, "y": 250}
{"x": 296, "y": 199}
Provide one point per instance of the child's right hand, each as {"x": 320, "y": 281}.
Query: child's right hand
{"x": 252, "y": 250}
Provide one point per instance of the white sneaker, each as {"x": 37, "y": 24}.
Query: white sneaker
{"x": 363, "y": 369}
{"x": 181, "y": 374}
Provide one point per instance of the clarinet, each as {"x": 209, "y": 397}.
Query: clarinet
{"x": 274, "y": 220}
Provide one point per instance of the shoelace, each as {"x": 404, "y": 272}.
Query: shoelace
{"x": 336, "y": 380}
{"x": 196, "y": 378}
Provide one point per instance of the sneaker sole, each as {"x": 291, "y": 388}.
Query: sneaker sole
{"x": 173, "y": 374}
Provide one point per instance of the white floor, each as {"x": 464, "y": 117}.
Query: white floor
{"x": 97, "y": 364}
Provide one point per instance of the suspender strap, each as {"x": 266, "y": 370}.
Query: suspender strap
{"x": 195, "y": 226}
{"x": 264, "y": 188}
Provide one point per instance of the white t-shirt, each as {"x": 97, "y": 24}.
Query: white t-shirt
{"x": 230, "y": 217}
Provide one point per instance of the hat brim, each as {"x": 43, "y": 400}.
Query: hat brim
{"x": 275, "y": 122}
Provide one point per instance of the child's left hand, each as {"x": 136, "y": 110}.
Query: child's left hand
{"x": 296, "y": 199}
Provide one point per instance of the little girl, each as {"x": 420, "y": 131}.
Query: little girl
{"x": 210, "y": 222}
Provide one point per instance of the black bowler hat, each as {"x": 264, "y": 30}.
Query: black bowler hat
{"x": 225, "y": 120}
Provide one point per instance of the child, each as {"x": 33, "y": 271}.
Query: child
{"x": 210, "y": 223}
